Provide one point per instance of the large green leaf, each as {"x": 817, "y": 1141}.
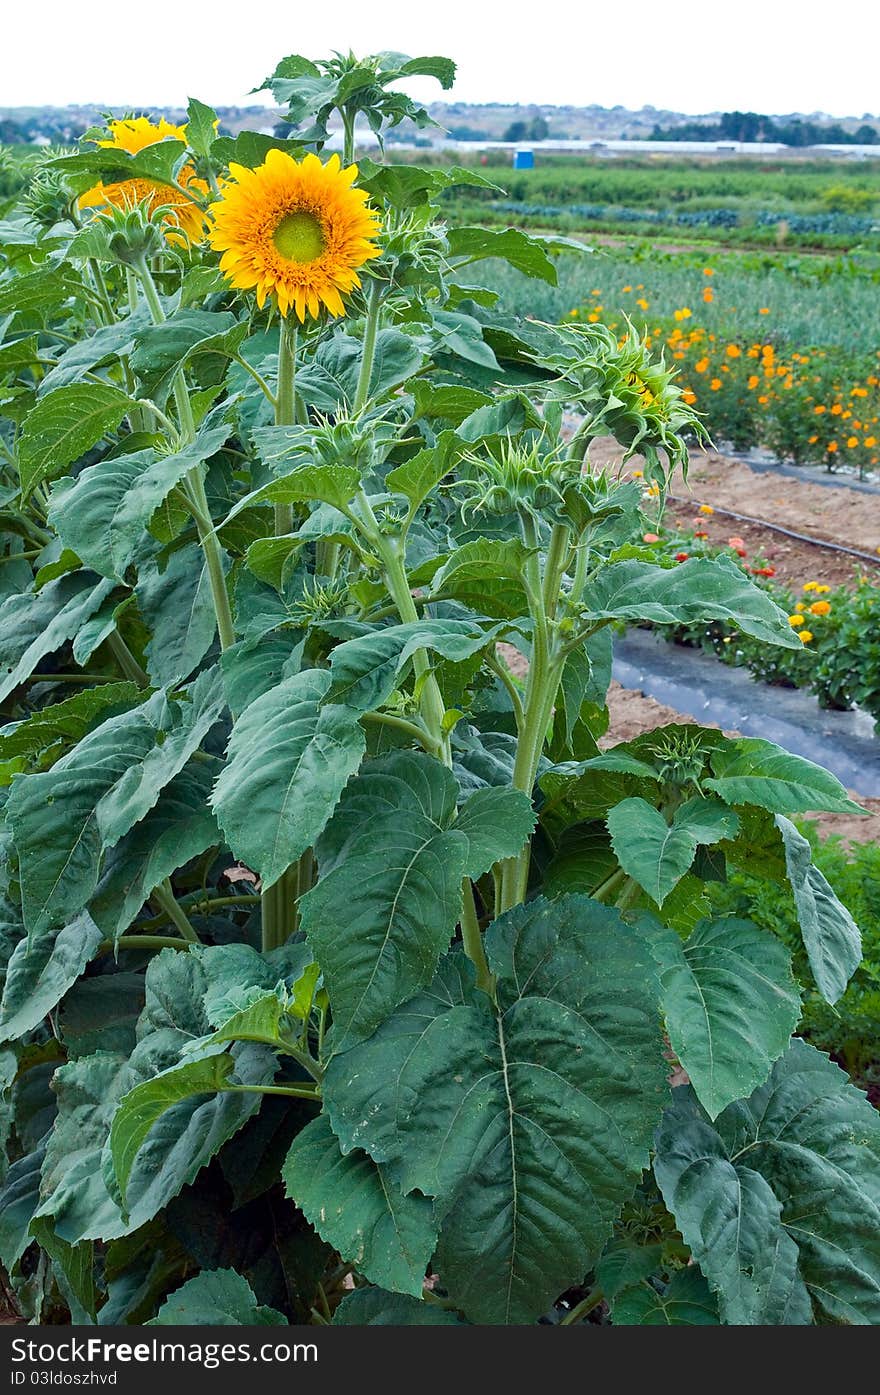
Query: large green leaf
{"x": 105, "y": 344}
{"x": 143, "y": 1106}
{"x": 180, "y": 826}
{"x": 751, "y": 771}
{"x": 102, "y": 515}
{"x": 38, "y": 290}
{"x": 61, "y": 820}
{"x": 657, "y": 853}
{"x": 216, "y": 1298}
{"x": 511, "y": 1117}
{"x": 329, "y": 380}
{"x": 528, "y": 254}
{"x": 72, "y": 1190}
{"x": 779, "y": 1200}
{"x": 376, "y": 1307}
{"x": 175, "y": 600}
{"x": 79, "y": 1181}
{"x": 290, "y": 756}
{"x": 686, "y": 1301}
{"x": 831, "y": 936}
{"x": 63, "y": 426}
{"x": 731, "y": 1005}
{"x": 43, "y": 735}
{"x": 19, "y": 1198}
{"x": 38, "y": 975}
{"x": 486, "y": 575}
{"x": 377, "y": 926}
{"x": 365, "y": 670}
{"x": 160, "y": 350}
{"x": 32, "y": 626}
{"x": 355, "y": 1206}
{"x": 330, "y": 484}
{"x": 423, "y": 471}
{"x": 700, "y": 589}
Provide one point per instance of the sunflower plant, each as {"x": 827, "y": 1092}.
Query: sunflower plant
{"x": 346, "y": 969}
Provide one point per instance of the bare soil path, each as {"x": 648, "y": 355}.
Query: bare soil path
{"x": 839, "y": 515}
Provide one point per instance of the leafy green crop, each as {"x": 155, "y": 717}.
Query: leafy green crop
{"x": 335, "y": 952}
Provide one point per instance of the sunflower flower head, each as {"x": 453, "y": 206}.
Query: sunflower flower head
{"x": 179, "y": 213}
{"x": 295, "y": 231}
{"x": 628, "y": 393}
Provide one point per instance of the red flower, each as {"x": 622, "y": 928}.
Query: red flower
{"x": 681, "y": 556}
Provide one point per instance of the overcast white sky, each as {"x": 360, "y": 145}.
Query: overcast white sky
{"x": 689, "y": 55}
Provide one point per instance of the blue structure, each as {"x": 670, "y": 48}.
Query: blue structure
{"x": 524, "y": 160}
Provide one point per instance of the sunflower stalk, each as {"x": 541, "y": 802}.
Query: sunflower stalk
{"x": 374, "y": 309}
{"x": 542, "y": 684}
{"x": 194, "y": 484}
{"x": 285, "y": 406}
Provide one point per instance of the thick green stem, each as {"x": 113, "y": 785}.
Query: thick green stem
{"x": 431, "y": 700}
{"x": 279, "y": 910}
{"x": 195, "y": 485}
{"x": 555, "y": 566}
{"x": 141, "y": 942}
{"x": 542, "y": 685}
{"x": 348, "y": 121}
{"x": 164, "y": 897}
{"x": 131, "y": 669}
{"x": 285, "y": 406}
{"x": 374, "y": 306}
{"x": 580, "y": 1310}
{"x": 295, "y": 1091}
{"x": 472, "y": 939}
{"x": 415, "y": 730}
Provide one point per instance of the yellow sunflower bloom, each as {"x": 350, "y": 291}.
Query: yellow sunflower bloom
{"x": 295, "y": 230}
{"x": 133, "y": 136}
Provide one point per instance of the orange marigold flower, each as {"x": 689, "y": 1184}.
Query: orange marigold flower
{"x": 706, "y": 508}
{"x": 715, "y": 384}
{"x": 831, "y": 447}
{"x": 764, "y": 310}
{"x": 642, "y": 303}
{"x": 836, "y": 409}
{"x": 733, "y": 351}
{"x": 852, "y": 442}
{"x": 795, "y": 620}
{"x": 708, "y": 295}
{"x": 701, "y": 365}
{"x": 688, "y": 396}
{"x": 753, "y": 381}
{"x": 818, "y": 411}
{"x": 820, "y": 608}
{"x": 708, "y": 271}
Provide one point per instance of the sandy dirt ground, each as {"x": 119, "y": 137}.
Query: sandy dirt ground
{"x": 843, "y": 515}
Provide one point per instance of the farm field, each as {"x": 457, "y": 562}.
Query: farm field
{"x": 790, "y": 202}
{"x": 370, "y": 953}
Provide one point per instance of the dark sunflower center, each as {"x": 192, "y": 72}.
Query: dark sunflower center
{"x": 299, "y": 237}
